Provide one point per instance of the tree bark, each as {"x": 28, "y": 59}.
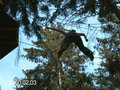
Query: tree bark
{"x": 58, "y": 66}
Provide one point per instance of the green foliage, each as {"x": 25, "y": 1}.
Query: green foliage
{"x": 90, "y": 6}
{"x": 45, "y": 8}
{"x": 108, "y": 75}
{"x": 34, "y": 13}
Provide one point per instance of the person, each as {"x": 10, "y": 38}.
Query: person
{"x": 73, "y": 37}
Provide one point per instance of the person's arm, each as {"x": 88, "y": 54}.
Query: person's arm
{"x": 79, "y": 34}
{"x": 82, "y": 34}
{"x": 61, "y": 31}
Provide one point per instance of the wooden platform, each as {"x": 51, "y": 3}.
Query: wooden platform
{"x": 8, "y": 34}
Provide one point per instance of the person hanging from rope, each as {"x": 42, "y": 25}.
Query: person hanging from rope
{"x": 73, "y": 37}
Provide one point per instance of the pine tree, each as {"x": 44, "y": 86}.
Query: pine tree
{"x": 34, "y": 13}
{"x": 108, "y": 76}
{"x": 46, "y": 73}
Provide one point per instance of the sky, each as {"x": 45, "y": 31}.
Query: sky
{"x": 9, "y": 70}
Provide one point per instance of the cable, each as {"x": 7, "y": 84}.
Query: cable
{"x": 27, "y": 44}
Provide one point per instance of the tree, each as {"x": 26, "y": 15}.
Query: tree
{"x": 108, "y": 73}
{"x": 46, "y": 73}
{"x": 34, "y": 13}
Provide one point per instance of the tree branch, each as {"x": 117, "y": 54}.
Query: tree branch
{"x": 114, "y": 9}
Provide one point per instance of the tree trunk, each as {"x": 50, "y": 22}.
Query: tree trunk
{"x": 58, "y": 66}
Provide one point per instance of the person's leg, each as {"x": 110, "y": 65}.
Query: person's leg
{"x": 88, "y": 52}
{"x": 84, "y": 49}
{"x": 65, "y": 44}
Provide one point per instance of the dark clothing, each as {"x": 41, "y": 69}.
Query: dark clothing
{"x": 78, "y": 41}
